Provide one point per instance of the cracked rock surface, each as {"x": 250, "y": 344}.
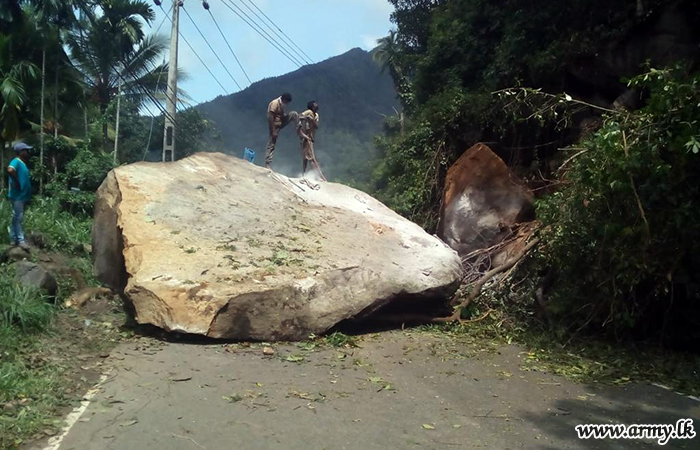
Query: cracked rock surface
{"x": 215, "y": 246}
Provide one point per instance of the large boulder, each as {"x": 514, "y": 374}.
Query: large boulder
{"x": 216, "y": 246}
{"x": 482, "y": 201}
{"x": 35, "y": 276}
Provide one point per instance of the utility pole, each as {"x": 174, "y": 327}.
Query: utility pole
{"x": 116, "y": 128}
{"x": 171, "y": 97}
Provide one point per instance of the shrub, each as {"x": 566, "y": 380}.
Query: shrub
{"x": 622, "y": 235}
{"x": 74, "y": 188}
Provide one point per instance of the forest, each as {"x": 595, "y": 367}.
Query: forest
{"x": 596, "y": 105}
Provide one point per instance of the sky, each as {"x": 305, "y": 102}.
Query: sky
{"x": 321, "y": 28}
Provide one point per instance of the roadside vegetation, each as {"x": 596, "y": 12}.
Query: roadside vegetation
{"x": 611, "y": 290}
{"x": 63, "y": 65}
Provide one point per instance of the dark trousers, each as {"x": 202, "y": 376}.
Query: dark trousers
{"x": 275, "y": 126}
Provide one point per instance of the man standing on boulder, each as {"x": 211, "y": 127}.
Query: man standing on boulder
{"x": 276, "y": 120}
{"x": 20, "y": 192}
{"x": 306, "y": 130}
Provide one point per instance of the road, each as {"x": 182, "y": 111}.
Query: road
{"x": 398, "y": 390}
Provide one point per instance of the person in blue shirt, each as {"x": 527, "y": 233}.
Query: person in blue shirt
{"x": 20, "y": 192}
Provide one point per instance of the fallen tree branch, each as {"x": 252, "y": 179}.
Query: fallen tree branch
{"x": 189, "y": 439}
{"x": 634, "y": 190}
{"x": 576, "y": 155}
{"x": 487, "y": 276}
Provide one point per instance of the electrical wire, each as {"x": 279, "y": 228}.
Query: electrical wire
{"x": 283, "y": 33}
{"x": 140, "y": 88}
{"x": 308, "y": 65}
{"x": 286, "y": 39}
{"x": 159, "y": 26}
{"x": 195, "y": 53}
{"x": 229, "y": 47}
{"x": 259, "y": 30}
{"x": 211, "y": 48}
{"x": 153, "y": 117}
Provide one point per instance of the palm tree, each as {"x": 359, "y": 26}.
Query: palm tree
{"x": 113, "y": 49}
{"x": 51, "y": 19}
{"x": 389, "y": 54}
{"x": 14, "y": 73}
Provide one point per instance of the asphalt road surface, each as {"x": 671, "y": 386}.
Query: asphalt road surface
{"x": 398, "y": 390}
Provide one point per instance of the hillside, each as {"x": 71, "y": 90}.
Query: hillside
{"x": 353, "y": 96}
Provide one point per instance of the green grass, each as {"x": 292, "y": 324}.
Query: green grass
{"x": 30, "y": 390}
{"x": 22, "y": 307}
{"x": 63, "y": 231}
{"x": 338, "y": 340}
{"x": 30, "y": 387}
{"x": 27, "y": 390}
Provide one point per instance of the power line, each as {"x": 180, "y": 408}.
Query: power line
{"x": 136, "y": 84}
{"x": 229, "y": 47}
{"x": 283, "y": 40}
{"x": 153, "y": 118}
{"x": 260, "y": 31}
{"x": 210, "y": 47}
{"x": 311, "y": 66}
{"x": 195, "y": 53}
{"x": 284, "y": 37}
{"x": 283, "y": 33}
{"x": 159, "y": 26}
{"x": 144, "y": 90}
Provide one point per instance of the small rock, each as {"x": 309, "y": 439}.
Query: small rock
{"x": 13, "y": 254}
{"x": 9, "y": 407}
{"x": 83, "y": 248}
{"x": 268, "y": 351}
{"x": 33, "y": 275}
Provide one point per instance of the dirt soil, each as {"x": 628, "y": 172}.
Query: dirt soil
{"x": 397, "y": 390}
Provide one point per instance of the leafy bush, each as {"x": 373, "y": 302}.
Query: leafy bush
{"x": 74, "y": 188}
{"x": 622, "y": 234}
{"x": 63, "y": 231}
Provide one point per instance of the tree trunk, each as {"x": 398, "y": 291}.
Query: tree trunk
{"x": 87, "y": 133}
{"x": 55, "y": 112}
{"x": 105, "y": 128}
{"x": 41, "y": 120}
{"x": 116, "y": 127}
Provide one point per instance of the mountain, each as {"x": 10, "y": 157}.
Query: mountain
{"x": 353, "y": 95}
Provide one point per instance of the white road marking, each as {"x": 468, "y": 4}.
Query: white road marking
{"x": 74, "y": 416}
{"x": 692, "y": 397}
